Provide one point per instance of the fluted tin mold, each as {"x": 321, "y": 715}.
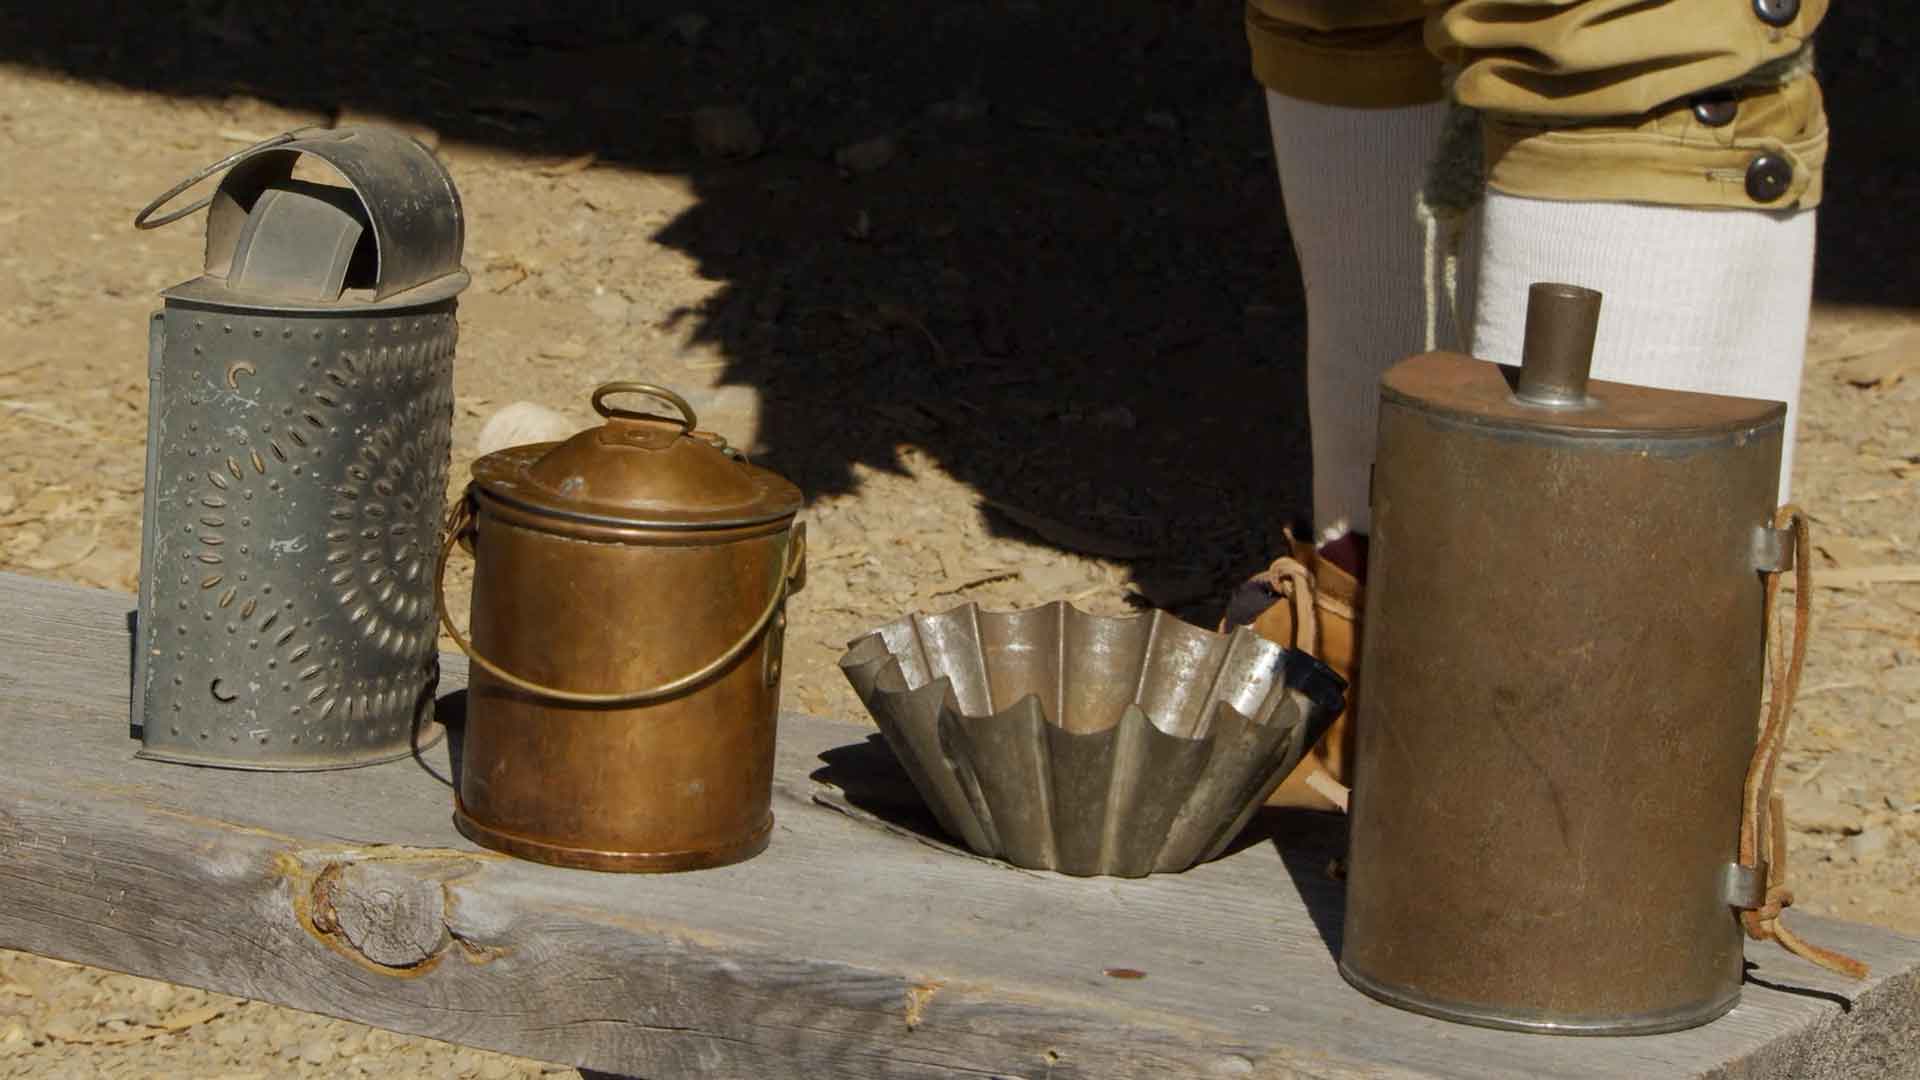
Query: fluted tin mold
{"x": 1086, "y": 744}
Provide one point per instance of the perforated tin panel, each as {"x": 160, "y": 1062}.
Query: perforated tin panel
{"x": 297, "y": 472}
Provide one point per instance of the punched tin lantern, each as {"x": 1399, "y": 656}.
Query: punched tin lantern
{"x": 299, "y": 420}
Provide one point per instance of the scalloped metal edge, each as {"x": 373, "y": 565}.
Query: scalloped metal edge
{"x": 1088, "y": 744}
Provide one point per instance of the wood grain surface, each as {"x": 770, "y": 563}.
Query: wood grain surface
{"x": 858, "y": 945}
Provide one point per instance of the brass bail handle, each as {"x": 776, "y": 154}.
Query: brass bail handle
{"x": 689, "y": 422}
{"x": 658, "y": 393}
{"x": 461, "y": 522}
{"x": 145, "y": 219}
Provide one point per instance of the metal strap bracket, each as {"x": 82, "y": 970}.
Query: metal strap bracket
{"x": 1773, "y": 549}
{"x": 1743, "y": 887}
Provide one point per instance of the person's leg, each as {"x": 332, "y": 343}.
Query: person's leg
{"x": 1349, "y": 179}
{"x": 1591, "y": 109}
{"x": 1667, "y": 155}
{"x": 1354, "y": 107}
{"x": 1706, "y": 300}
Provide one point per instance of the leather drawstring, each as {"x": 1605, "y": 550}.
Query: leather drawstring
{"x": 1291, "y": 581}
{"x": 1289, "y": 578}
{"x": 1763, "y": 817}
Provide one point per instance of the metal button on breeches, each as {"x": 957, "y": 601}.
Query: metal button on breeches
{"x": 1768, "y": 176}
{"x": 1776, "y": 12}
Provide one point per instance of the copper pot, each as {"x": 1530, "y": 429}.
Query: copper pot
{"x": 629, "y": 600}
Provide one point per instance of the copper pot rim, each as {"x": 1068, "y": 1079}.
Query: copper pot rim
{"x": 496, "y": 475}
{"x": 631, "y": 862}
{"x": 609, "y": 529}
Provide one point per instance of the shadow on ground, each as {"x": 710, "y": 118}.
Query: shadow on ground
{"x": 1071, "y": 286}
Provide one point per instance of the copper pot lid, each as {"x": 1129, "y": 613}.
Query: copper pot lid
{"x": 639, "y": 470}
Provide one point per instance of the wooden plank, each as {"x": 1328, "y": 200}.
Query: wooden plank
{"x": 846, "y": 950}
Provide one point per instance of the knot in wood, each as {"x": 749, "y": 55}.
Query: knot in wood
{"x": 392, "y": 918}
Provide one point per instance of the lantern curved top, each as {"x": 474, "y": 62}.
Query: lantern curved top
{"x": 392, "y": 236}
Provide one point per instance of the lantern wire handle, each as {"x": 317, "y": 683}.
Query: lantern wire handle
{"x": 145, "y": 219}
